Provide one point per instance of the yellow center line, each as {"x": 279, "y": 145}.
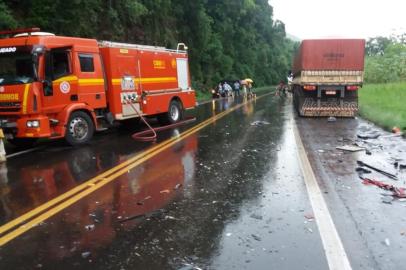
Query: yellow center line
{"x": 97, "y": 182}
{"x": 79, "y": 188}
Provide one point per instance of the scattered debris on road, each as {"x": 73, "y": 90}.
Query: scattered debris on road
{"x": 309, "y": 217}
{"x": 387, "y": 199}
{"x": 256, "y": 216}
{"x": 259, "y": 123}
{"x": 350, "y": 148}
{"x": 256, "y": 237}
{"x": 90, "y": 227}
{"x": 396, "y": 191}
{"x": 309, "y": 230}
{"x": 387, "y": 174}
{"x": 396, "y": 130}
{"x": 361, "y": 170}
{"x": 85, "y": 254}
{"x": 369, "y": 135}
{"x": 331, "y": 119}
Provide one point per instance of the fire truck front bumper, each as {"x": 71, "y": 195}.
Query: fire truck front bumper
{"x": 26, "y": 127}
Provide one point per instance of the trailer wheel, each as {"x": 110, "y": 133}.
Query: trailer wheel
{"x": 80, "y": 128}
{"x": 174, "y": 114}
{"x": 22, "y": 142}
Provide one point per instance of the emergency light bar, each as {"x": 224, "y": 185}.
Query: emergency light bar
{"x": 19, "y": 31}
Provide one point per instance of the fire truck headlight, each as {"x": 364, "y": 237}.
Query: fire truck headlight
{"x": 33, "y": 123}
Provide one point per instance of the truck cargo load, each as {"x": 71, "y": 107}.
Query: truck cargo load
{"x": 69, "y": 87}
{"x": 326, "y": 76}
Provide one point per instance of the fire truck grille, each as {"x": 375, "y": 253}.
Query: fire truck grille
{"x": 10, "y": 106}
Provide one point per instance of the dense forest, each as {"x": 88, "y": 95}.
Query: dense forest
{"x": 386, "y": 59}
{"x": 227, "y": 39}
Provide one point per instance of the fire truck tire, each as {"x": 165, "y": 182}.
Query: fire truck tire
{"x": 174, "y": 114}
{"x": 80, "y": 128}
{"x": 22, "y": 142}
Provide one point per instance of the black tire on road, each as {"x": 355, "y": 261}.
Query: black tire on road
{"x": 174, "y": 114}
{"x": 80, "y": 128}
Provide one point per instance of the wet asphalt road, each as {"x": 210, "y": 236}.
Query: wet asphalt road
{"x": 230, "y": 196}
{"x": 372, "y": 231}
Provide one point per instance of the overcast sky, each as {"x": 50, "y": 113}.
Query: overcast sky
{"x": 341, "y": 18}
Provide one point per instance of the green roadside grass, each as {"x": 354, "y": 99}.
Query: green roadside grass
{"x": 384, "y": 104}
{"x": 203, "y": 95}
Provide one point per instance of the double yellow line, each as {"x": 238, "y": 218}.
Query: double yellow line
{"x": 33, "y": 218}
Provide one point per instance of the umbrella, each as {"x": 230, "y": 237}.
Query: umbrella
{"x": 248, "y": 80}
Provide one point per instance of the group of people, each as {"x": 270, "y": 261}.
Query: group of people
{"x": 226, "y": 90}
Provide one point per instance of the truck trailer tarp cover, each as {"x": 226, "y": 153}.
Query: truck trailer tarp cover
{"x": 330, "y": 54}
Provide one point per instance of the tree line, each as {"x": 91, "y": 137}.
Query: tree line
{"x": 385, "y": 59}
{"x": 228, "y": 39}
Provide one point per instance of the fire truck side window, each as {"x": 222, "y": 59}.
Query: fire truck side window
{"x": 57, "y": 65}
{"x": 60, "y": 64}
{"x": 86, "y": 63}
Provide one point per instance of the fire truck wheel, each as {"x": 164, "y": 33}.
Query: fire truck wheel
{"x": 174, "y": 114}
{"x": 80, "y": 128}
{"x": 22, "y": 142}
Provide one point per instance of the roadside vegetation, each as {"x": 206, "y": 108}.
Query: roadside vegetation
{"x": 230, "y": 39}
{"x": 383, "y": 97}
{"x": 384, "y": 104}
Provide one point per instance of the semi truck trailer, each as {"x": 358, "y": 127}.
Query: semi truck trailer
{"x": 69, "y": 87}
{"x": 327, "y": 74}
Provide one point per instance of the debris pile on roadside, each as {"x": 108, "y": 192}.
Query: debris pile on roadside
{"x": 380, "y": 159}
{"x": 259, "y": 123}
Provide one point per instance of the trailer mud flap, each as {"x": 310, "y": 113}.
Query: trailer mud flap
{"x": 338, "y": 108}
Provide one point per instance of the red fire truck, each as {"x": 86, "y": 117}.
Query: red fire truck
{"x": 68, "y": 87}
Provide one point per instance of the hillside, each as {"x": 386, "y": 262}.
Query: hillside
{"x": 226, "y": 39}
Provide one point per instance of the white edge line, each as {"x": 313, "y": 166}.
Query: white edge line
{"x": 23, "y": 152}
{"x": 337, "y": 258}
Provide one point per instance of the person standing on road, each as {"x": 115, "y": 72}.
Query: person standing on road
{"x": 244, "y": 90}
{"x": 220, "y": 90}
{"x": 227, "y": 88}
{"x": 250, "y": 93}
{"x": 280, "y": 88}
{"x": 236, "y": 88}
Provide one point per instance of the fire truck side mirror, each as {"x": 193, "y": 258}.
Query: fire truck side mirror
{"x": 37, "y": 50}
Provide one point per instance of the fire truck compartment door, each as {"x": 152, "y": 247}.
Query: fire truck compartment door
{"x": 183, "y": 73}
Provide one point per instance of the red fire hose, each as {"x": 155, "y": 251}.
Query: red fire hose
{"x": 149, "y": 135}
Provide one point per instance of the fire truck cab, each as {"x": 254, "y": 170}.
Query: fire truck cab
{"x": 67, "y": 87}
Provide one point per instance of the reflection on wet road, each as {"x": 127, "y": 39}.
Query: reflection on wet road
{"x": 222, "y": 193}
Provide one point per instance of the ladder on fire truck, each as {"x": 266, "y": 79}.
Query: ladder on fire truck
{"x": 111, "y": 44}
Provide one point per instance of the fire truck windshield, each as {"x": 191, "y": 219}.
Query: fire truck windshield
{"x": 16, "y": 68}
